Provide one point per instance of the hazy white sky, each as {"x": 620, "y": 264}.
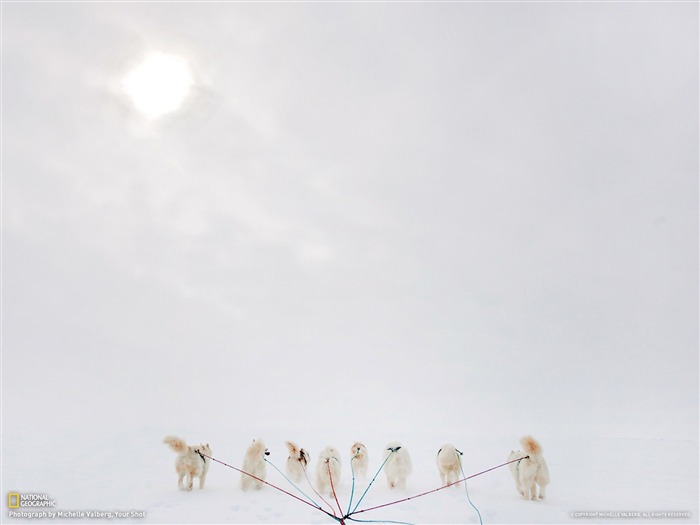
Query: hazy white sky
{"x": 483, "y": 208}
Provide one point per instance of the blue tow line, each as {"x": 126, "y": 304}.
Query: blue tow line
{"x": 370, "y": 483}
{"x": 467, "y": 491}
{"x": 291, "y": 483}
{"x": 348, "y": 514}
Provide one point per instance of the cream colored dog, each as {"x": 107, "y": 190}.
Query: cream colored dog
{"x": 190, "y": 462}
{"x": 398, "y": 465}
{"x": 254, "y": 463}
{"x": 359, "y": 458}
{"x": 297, "y": 461}
{"x": 328, "y": 466}
{"x": 530, "y": 471}
{"x": 449, "y": 462}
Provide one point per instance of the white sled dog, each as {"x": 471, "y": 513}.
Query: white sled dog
{"x": 328, "y": 465}
{"x": 398, "y": 466}
{"x": 449, "y": 462}
{"x": 359, "y": 458}
{"x": 531, "y": 471}
{"x": 297, "y": 461}
{"x": 190, "y": 462}
{"x": 254, "y": 463}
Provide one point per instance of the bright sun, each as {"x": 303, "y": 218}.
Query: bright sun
{"x": 158, "y": 85}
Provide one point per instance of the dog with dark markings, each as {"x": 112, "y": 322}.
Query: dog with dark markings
{"x": 297, "y": 461}
{"x": 191, "y": 461}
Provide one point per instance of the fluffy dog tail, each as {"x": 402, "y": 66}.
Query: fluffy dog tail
{"x": 531, "y": 446}
{"x": 298, "y": 453}
{"x": 179, "y": 445}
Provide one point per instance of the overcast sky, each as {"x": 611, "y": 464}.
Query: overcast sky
{"x": 489, "y": 209}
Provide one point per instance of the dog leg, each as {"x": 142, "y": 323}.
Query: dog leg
{"x": 542, "y": 487}
{"x": 524, "y": 490}
{"x": 531, "y": 492}
{"x": 202, "y": 479}
{"x": 179, "y": 480}
{"x": 519, "y": 488}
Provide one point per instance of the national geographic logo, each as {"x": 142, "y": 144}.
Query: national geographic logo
{"x": 15, "y": 500}
{"x": 41, "y": 506}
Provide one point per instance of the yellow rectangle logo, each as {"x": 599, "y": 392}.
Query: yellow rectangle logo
{"x": 13, "y": 500}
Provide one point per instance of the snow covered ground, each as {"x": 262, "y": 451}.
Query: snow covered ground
{"x": 133, "y": 471}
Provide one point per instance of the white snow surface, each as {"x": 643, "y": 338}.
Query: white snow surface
{"x": 132, "y": 469}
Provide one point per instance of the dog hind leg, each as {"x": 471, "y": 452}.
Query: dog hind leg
{"x": 531, "y": 492}
{"x": 181, "y": 475}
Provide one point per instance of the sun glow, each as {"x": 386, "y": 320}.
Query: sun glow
{"x": 158, "y": 85}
